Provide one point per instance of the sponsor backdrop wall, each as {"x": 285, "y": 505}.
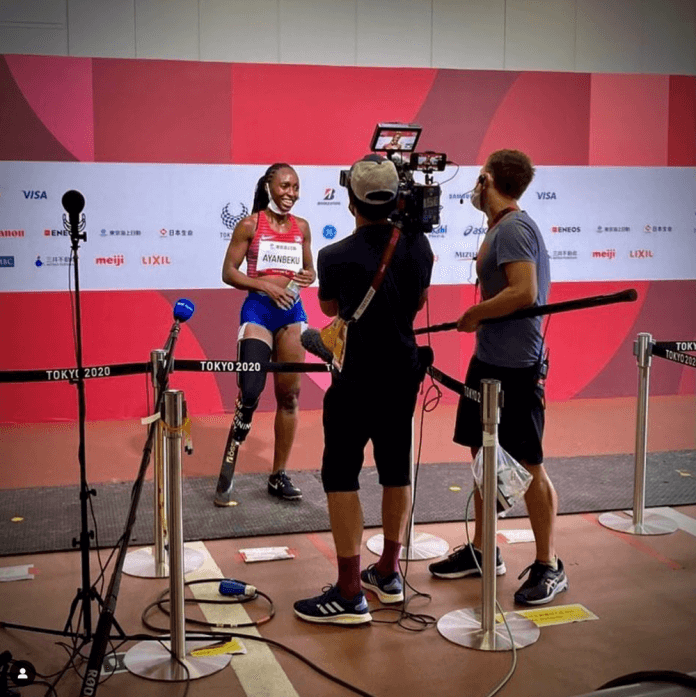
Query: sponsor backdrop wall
{"x": 167, "y": 155}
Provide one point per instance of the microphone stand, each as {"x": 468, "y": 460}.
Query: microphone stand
{"x": 73, "y": 202}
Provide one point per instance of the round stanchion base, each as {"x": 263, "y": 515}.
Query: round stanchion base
{"x": 151, "y": 660}
{"x": 463, "y": 627}
{"x": 653, "y": 524}
{"x": 142, "y": 563}
{"x": 423, "y": 546}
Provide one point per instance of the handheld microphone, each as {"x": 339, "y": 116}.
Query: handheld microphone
{"x": 311, "y": 340}
{"x": 230, "y": 586}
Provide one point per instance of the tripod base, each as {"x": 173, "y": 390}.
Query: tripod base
{"x": 653, "y": 524}
{"x": 151, "y": 660}
{"x": 463, "y": 627}
{"x": 142, "y": 563}
{"x": 423, "y": 546}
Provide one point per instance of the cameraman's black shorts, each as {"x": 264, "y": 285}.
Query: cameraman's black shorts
{"x": 521, "y": 426}
{"x": 355, "y": 413}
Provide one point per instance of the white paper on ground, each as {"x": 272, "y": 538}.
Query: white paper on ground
{"x": 513, "y": 536}
{"x": 251, "y": 554}
{"x": 16, "y": 573}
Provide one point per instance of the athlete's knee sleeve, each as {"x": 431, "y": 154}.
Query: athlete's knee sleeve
{"x": 252, "y": 382}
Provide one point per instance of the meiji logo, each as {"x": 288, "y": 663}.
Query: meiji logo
{"x": 329, "y": 232}
{"x": 115, "y": 260}
{"x": 156, "y": 260}
{"x": 468, "y": 256}
{"x": 546, "y": 195}
{"x": 7, "y": 262}
{"x": 56, "y": 233}
{"x": 11, "y": 233}
{"x": 556, "y": 229}
{"x": 35, "y": 195}
{"x": 640, "y": 254}
{"x": 470, "y": 229}
{"x": 604, "y": 254}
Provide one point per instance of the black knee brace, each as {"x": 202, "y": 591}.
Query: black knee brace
{"x": 251, "y": 384}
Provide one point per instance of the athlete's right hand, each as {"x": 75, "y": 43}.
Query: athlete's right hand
{"x": 281, "y": 297}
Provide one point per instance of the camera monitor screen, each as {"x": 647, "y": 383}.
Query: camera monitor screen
{"x": 395, "y": 137}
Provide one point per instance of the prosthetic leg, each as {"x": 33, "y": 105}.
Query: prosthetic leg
{"x": 251, "y": 386}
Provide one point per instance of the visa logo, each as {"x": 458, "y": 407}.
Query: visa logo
{"x": 34, "y": 194}
{"x": 546, "y": 195}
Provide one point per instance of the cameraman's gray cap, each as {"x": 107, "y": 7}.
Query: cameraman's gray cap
{"x": 374, "y": 179}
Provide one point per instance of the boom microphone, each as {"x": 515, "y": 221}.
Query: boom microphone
{"x": 183, "y": 309}
{"x": 73, "y": 202}
{"x": 625, "y": 296}
{"x": 311, "y": 340}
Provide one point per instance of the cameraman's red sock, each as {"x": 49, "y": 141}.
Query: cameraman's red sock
{"x": 389, "y": 561}
{"x": 349, "y": 576}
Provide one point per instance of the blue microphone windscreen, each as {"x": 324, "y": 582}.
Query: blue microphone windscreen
{"x": 183, "y": 309}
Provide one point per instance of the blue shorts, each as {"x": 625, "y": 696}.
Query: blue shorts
{"x": 260, "y": 309}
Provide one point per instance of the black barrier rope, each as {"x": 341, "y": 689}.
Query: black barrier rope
{"x": 118, "y": 370}
{"x": 623, "y": 296}
{"x": 675, "y": 356}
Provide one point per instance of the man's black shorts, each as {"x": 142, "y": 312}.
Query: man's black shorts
{"x": 356, "y": 413}
{"x": 521, "y": 426}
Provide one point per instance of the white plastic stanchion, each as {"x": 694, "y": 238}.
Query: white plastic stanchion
{"x": 476, "y": 628}
{"x": 641, "y": 523}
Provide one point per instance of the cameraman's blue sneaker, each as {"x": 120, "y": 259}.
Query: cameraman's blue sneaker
{"x": 388, "y": 589}
{"x": 332, "y": 608}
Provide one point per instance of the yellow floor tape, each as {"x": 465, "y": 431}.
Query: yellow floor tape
{"x": 258, "y": 671}
{"x": 558, "y": 614}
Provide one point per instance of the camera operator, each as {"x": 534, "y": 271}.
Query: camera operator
{"x": 374, "y": 395}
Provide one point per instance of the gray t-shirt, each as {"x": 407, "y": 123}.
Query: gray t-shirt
{"x": 514, "y": 343}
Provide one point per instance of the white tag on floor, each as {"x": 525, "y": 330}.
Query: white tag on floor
{"x": 251, "y": 554}
{"x": 513, "y": 536}
{"x": 16, "y": 573}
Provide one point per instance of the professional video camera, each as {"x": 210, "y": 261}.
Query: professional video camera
{"x": 418, "y": 205}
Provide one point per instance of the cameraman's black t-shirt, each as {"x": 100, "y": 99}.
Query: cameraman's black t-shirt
{"x": 381, "y": 344}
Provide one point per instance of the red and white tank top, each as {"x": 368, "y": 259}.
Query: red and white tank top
{"x": 275, "y": 253}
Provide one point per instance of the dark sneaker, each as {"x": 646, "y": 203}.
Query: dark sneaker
{"x": 542, "y": 585}
{"x": 388, "y": 589}
{"x": 461, "y": 563}
{"x": 332, "y": 608}
{"x": 279, "y": 485}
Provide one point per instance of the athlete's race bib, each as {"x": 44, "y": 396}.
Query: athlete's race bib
{"x": 279, "y": 256}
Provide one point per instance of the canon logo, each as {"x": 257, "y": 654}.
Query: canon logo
{"x": 11, "y": 233}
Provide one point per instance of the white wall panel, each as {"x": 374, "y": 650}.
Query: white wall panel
{"x": 468, "y": 35}
{"x": 33, "y": 40}
{"x": 35, "y": 12}
{"x": 394, "y": 33}
{"x": 244, "y": 31}
{"x": 540, "y": 35}
{"x": 318, "y": 33}
{"x": 608, "y": 36}
{"x": 166, "y": 29}
{"x": 669, "y": 37}
{"x": 104, "y": 28}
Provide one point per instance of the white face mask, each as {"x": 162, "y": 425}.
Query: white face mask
{"x": 272, "y": 204}
{"x": 476, "y": 200}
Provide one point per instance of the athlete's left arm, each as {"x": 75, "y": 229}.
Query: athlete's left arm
{"x": 306, "y": 276}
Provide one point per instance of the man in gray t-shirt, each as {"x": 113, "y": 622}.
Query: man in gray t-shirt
{"x": 512, "y": 267}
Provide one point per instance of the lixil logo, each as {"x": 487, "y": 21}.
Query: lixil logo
{"x": 640, "y": 254}
{"x": 156, "y": 260}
